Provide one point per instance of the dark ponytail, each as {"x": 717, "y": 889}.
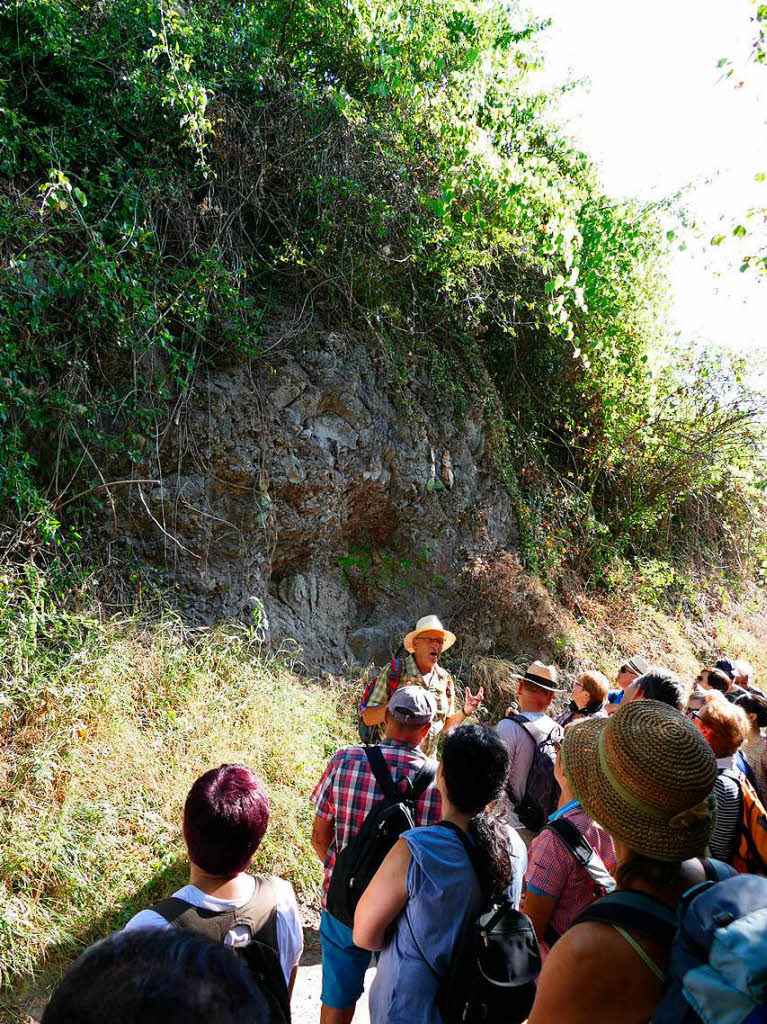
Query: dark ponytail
{"x": 475, "y": 763}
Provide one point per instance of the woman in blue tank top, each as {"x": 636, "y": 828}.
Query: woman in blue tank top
{"x": 426, "y": 891}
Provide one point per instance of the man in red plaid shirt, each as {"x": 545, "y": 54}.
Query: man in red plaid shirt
{"x": 342, "y": 800}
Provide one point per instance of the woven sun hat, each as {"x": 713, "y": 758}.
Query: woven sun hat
{"x": 429, "y": 624}
{"x": 542, "y": 675}
{"x": 646, "y": 775}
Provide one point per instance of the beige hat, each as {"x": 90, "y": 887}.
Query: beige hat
{"x": 542, "y": 675}
{"x": 646, "y": 775}
{"x": 429, "y": 624}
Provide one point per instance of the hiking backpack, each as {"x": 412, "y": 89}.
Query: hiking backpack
{"x": 260, "y": 952}
{"x": 586, "y": 857}
{"x": 751, "y": 841}
{"x": 491, "y": 979}
{"x": 388, "y": 818}
{"x": 718, "y": 942}
{"x": 369, "y": 733}
{"x": 541, "y": 789}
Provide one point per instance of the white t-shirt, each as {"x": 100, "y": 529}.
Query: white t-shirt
{"x": 290, "y": 936}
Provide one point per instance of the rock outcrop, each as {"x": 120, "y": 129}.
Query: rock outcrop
{"x": 312, "y": 489}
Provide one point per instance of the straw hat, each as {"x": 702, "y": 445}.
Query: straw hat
{"x": 542, "y": 675}
{"x": 646, "y": 775}
{"x": 429, "y": 624}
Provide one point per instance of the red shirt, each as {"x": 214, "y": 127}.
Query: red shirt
{"x": 348, "y": 789}
{"x": 553, "y": 871}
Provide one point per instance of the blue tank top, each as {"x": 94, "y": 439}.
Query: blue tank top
{"x": 443, "y": 895}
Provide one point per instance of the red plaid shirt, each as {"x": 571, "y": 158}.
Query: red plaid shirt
{"x": 348, "y": 789}
{"x": 553, "y": 871}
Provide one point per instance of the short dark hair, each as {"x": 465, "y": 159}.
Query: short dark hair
{"x": 661, "y": 685}
{"x": 717, "y": 679}
{"x": 157, "y": 976}
{"x": 726, "y": 666}
{"x": 753, "y": 704}
{"x": 225, "y": 817}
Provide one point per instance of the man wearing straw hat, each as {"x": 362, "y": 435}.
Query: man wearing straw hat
{"x": 525, "y": 732}
{"x": 424, "y": 645}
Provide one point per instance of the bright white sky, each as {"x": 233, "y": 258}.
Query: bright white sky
{"x": 656, "y": 117}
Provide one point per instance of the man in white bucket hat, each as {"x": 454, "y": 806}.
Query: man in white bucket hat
{"x": 424, "y": 645}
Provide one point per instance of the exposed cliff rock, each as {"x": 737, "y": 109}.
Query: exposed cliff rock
{"x": 345, "y": 505}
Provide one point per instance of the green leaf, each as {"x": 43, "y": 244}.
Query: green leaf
{"x": 717, "y": 239}
{"x": 761, "y": 176}
{"x": 80, "y": 196}
{"x": 671, "y": 235}
{"x": 739, "y": 231}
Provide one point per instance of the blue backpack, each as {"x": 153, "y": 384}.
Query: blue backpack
{"x": 718, "y": 941}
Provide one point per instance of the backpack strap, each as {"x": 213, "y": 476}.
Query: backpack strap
{"x": 573, "y": 838}
{"x": 716, "y": 870}
{"x": 258, "y": 913}
{"x": 584, "y": 853}
{"x": 532, "y": 729}
{"x": 395, "y": 674}
{"x": 634, "y": 912}
{"x": 380, "y": 769}
{"x": 423, "y": 780}
{"x": 466, "y": 843}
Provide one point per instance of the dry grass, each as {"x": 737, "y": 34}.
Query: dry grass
{"x": 94, "y": 785}
{"x": 512, "y": 619}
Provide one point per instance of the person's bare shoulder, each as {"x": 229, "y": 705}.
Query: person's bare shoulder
{"x": 593, "y": 976}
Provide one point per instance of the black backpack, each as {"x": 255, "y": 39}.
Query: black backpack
{"x": 388, "y": 818}
{"x": 260, "y": 953}
{"x": 492, "y": 976}
{"x": 541, "y": 789}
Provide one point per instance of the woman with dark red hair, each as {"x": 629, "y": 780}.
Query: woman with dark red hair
{"x": 225, "y": 817}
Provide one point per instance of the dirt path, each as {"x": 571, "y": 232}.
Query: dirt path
{"x": 305, "y": 1005}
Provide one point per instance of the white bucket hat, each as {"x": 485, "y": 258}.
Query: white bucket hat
{"x": 542, "y": 675}
{"x": 429, "y": 624}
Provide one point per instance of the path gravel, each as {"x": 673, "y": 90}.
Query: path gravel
{"x": 305, "y": 1005}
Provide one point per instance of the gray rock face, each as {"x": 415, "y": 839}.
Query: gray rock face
{"x": 307, "y": 485}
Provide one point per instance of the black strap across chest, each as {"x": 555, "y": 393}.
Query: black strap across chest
{"x": 413, "y": 789}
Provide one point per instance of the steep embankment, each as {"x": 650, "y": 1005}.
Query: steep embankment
{"x": 105, "y": 726}
{"x": 101, "y": 739}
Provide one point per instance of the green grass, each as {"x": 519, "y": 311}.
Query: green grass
{"x": 103, "y": 729}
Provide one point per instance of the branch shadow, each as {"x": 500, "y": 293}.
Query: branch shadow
{"x": 31, "y": 990}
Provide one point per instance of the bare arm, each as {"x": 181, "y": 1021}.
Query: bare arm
{"x": 292, "y": 981}
{"x": 539, "y": 909}
{"x": 322, "y": 836}
{"x": 375, "y": 715}
{"x": 383, "y": 900}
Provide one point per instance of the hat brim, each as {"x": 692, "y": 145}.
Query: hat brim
{"x": 545, "y": 684}
{"x": 643, "y": 834}
{"x": 448, "y": 638}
